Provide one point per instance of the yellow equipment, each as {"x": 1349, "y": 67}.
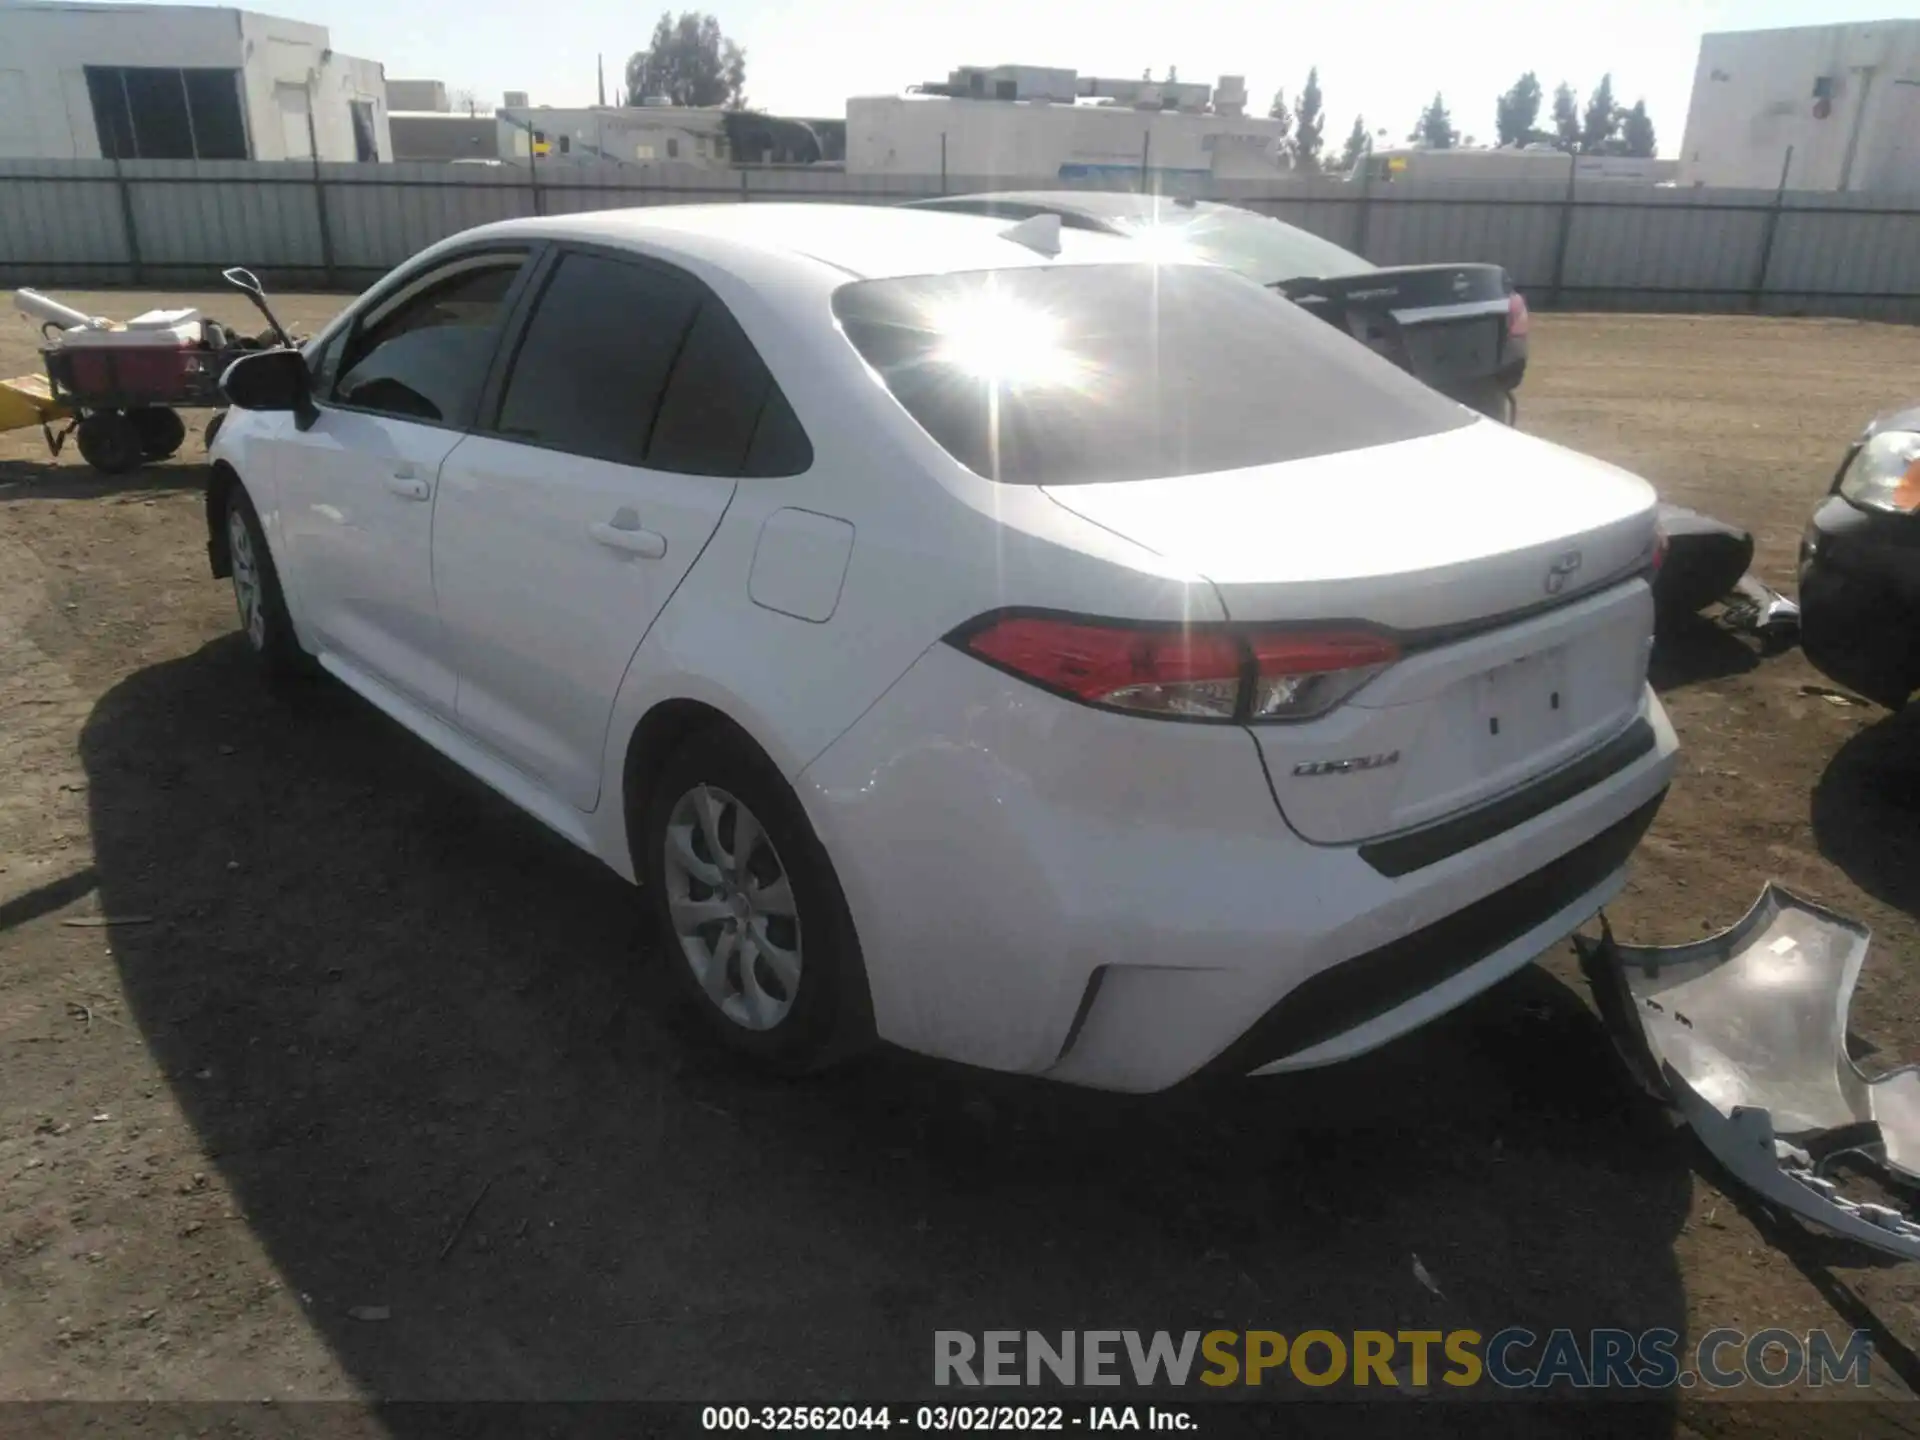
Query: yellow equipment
{"x": 29, "y": 400}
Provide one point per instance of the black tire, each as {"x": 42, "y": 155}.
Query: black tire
{"x": 109, "y": 442}
{"x": 272, "y": 641}
{"x": 161, "y": 430}
{"x": 829, "y": 1016}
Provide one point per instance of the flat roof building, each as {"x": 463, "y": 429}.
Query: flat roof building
{"x": 181, "y": 82}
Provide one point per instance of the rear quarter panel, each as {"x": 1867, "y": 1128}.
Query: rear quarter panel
{"x": 933, "y": 546}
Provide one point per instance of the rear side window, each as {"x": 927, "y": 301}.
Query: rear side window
{"x": 595, "y": 358}
{"x": 715, "y": 402}
{"x": 641, "y": 365}
{"x": 1076, "y": 374}
{"x": 424, "y": 354}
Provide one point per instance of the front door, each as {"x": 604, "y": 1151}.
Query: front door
{"x": 357, "y": 487}
{"x": 564, "y": 526}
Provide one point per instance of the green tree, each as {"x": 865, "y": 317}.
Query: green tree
{"x": 1280, "y": 112}
{"x": 1636, "y": 132}
{"x": 1517, "y": 110}
{"x": 1566, "y": 118}
{"x": 689, "y": 62}
{"x": 1601, "y": 120}
{"x": 1435, "y": 126}
{"x": 1359, "y": 142}
{"x": 1309, "y": 124}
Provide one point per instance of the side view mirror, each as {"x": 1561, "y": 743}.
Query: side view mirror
{"x": 269, "y": 380}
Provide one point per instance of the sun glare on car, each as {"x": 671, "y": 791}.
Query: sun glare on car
{"x": 1006, "y": 342}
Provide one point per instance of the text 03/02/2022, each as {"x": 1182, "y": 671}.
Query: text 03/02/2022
{"x": 939, "y": 1418}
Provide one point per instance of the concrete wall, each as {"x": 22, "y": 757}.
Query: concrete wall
{"x": 1753, "y": 96}
{"x": 901, "y": 135}
{"x": 46, "y": 113}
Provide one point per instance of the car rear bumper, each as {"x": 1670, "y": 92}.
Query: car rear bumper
{"x": 1860, "y": 601}
{"x": 1118, "y": 902}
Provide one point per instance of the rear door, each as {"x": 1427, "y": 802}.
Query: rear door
{"x": 601, "y": 467}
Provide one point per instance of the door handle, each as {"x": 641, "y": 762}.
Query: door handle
{"x": 407, "y": 485}
{"x": 648, "y": 544}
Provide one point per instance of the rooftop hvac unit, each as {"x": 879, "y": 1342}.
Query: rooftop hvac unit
{"x": 513, "y": 98}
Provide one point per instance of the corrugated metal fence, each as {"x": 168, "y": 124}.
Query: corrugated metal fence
{"x": 1604, "y": 245}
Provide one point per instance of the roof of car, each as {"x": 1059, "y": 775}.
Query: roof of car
{"x": 864, "y": 241}
{"x": 1099, "y": 204}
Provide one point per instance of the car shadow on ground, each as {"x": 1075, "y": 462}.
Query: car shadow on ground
{"x": 420, "y": 1038}
{"x": 51, "y": 480}
{"x": 1866, "y": 810}
{"x": 1691, "y": 649}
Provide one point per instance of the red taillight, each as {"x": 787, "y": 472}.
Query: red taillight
{"x": 1661, "y": 544}
{"x": 1517, "y": 319}
{"x": 1197, "y": 672}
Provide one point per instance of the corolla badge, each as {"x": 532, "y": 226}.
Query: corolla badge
{"x": 1349, "y": 766}
{"x": 1561, "y": 571}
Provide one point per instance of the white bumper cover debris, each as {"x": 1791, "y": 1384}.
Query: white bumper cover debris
{"x": 1745, "y": 1033}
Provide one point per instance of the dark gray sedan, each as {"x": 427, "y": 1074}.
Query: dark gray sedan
{"x": 1461, "y": 328}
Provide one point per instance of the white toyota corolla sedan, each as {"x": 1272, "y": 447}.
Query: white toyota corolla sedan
{"x": 975, "y": 638}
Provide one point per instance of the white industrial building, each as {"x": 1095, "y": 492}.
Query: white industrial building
{"x": 181, "y": 82}
{"x": 1033, "y": 123}
{"x": 1845, "y": 98}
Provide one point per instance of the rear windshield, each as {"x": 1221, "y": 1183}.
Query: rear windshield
{"x": 1071, "y": 374}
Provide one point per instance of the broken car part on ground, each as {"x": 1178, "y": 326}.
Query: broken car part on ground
{"x": 1745, "y": 1033}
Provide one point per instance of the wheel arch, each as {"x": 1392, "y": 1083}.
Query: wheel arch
{"x": 222, "y": 481}
{"x": 662, "y": 730}
{"x": 666, "y": 726}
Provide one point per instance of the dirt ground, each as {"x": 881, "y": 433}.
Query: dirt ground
{"x": 369, "y": 1090}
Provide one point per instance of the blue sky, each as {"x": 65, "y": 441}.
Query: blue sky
{"x": 1384, "y": 59}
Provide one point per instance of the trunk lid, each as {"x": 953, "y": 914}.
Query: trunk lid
{"x": 1446, "y": 324}
{"x": 1499, "y": 560}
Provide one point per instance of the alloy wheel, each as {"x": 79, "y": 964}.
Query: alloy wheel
{"x": 247, "y": 590}
{"x": 732, "y": 907}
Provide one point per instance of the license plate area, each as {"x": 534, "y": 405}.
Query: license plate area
{"x": 1521, "y": 708}
{"x": 1454, "y": 349}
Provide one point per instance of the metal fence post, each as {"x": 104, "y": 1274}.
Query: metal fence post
{"x": 533, "y": 170}
{"x": 1766, "y": 235}
{"x": 329, "y": 274}
{"x": 744, "y": 197}
{"x": 1566, "y": 233}
{"x": 1360, "y": 226}
{"x": 136, "y": 270}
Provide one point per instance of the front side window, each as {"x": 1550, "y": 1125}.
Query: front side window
{"x": 423, "y": 354}
{"x": 1072, "y": 374}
